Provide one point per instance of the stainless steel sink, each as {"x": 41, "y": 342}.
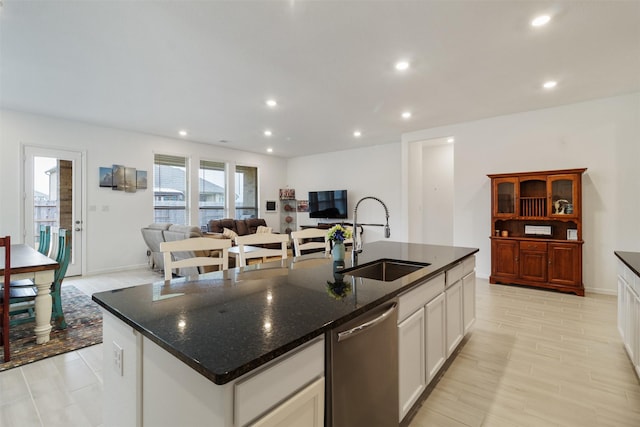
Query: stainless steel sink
{"x": 386, "y": 270}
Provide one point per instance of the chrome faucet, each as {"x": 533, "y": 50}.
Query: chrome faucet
{"x": 357, "y": 246}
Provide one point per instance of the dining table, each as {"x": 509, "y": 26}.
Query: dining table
{"x": 28, "y": 263}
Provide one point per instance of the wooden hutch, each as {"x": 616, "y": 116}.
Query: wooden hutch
{"x": 536, "y": 229}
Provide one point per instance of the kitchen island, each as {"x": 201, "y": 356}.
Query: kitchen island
{"x": 629, "y": 304}
{"x": 226, "y": 348}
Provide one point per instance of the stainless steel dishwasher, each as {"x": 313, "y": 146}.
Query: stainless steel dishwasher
{"x": 363, "y": 370}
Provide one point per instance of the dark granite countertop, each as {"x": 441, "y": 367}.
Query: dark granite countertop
{"x": 225, "y": 324}
{"x": 631, "y": 259}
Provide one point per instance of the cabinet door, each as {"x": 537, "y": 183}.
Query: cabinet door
{"x": 505, "y": 194}
{"x": 411, "y": 360}
{"x": 453, "y": 297}
{"x": 504, "y": 258}
{"x": 533, "y": 261}
{"x": 622, "y": 307}
{"x": 565, "y": 264}
{"x": 563, "y": 191}
{"x": 305, "y": 408}
{"x": 436, "y": 336}
{"x": 469, "y": 300}
{"x": 631, "y": 329}
{"x": 288, "y": 216}
{"x": 635, "y": 333}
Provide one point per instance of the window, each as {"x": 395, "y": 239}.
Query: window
{"x": 246, "y": 192}
{"x": 212, "y": 191}
{"x": 170, "y": 189}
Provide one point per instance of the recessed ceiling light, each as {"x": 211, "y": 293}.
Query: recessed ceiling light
{"x": 406, "y": 115}
{"x": 269, "y": 150}
{"x": 402, "y": 65}
{"x": 357, "y": 134}
{"x": 450, "y": 140}
{"x": 183, "y": 133}
{"x": 267, "y": 133}
{"x": 541, "y": 20}
{"x": 550, "y": 84}
{"x": 271, "y": 103}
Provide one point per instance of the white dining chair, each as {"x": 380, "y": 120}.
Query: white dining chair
{"x": 255, "y": 242}
{"x": 195, "y": 252}
{"x": 299, "y": 243}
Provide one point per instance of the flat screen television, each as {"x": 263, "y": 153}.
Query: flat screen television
{"x": 328, "y": 204}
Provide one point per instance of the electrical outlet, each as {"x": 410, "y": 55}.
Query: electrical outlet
{"x": 118, "y": 353}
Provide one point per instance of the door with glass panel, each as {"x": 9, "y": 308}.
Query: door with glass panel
{"x": 53, "y": 197}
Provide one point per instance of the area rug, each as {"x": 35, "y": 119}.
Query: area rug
{"x": 84, "y": 328}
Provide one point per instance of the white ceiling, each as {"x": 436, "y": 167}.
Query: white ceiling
{"x": 208, "y": 66}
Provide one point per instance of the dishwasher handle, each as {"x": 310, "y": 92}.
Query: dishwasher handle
{"x": 349, "y": 333}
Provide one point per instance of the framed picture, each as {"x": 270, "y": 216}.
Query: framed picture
{"x": 287, "y": 194}
{"x": 106, "y": 177}
{"x": 303, "y": 206}
{"x": 118, "y": 178}
{"x": 130, "y": 180}
{"x": 271, "y": 206}
{"x": 141, "y": 180}
{"x": 572, "y": 234}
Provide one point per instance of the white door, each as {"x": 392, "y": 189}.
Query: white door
{"x": 53, "y": 196}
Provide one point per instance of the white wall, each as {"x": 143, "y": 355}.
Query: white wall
{"x": 372, "y": 171}
{"x": 601, "y": 135}
{"x": 113, "y": 239}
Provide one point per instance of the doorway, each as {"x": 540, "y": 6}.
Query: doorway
{"x": 430, "y": 189}
{"x": 53, "y": 196}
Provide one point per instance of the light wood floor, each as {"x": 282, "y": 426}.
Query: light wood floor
{"x": 537, "y": 358}
{"x": 534, "y": 358}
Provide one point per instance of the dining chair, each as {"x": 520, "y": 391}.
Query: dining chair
{"x": 4, "y": 310}
{"x": 195, "y": 252}
{"x": 45, "y": 239}
{"x": 23, "y": 292}
{"x": 63, "y": 258}
{"x": 257, "y": 242}
{"x": 300, "y": 245}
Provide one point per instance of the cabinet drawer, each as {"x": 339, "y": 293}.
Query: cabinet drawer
{"x": 419, "y": 296}
{"x": 259, "y": 392}
{"x": 468, "y": 265}
{"x": 533, "y": 246}
{"x": 454, "y": 274}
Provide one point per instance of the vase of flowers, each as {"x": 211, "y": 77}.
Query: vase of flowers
{"x": 337, "y": 235}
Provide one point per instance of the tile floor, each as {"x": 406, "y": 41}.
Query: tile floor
{"x": 534, "y": 358}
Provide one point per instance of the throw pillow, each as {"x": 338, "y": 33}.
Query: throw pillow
{"x": 263, "y": 229}
{"x": 229, "y": 233}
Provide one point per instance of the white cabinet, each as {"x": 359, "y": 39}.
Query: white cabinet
{"x": 305, "y": 408}
{"x": 455, "y": 329}
{"x": 629, "y": 312}
{"x": 154, "y": 388}
{"x": 432, "y": 321}
{"x": 469, "y": 301}
{"x": 411, "y": 360}
{"x": 257, "y": 392}
{"x": 436, "y": 350}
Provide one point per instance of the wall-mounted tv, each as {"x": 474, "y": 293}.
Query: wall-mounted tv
{"x": 328, "y": 204}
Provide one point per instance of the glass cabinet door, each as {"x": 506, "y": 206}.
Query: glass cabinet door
{"x": 563, "y": 196}
{"x": 504, "y": 191}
